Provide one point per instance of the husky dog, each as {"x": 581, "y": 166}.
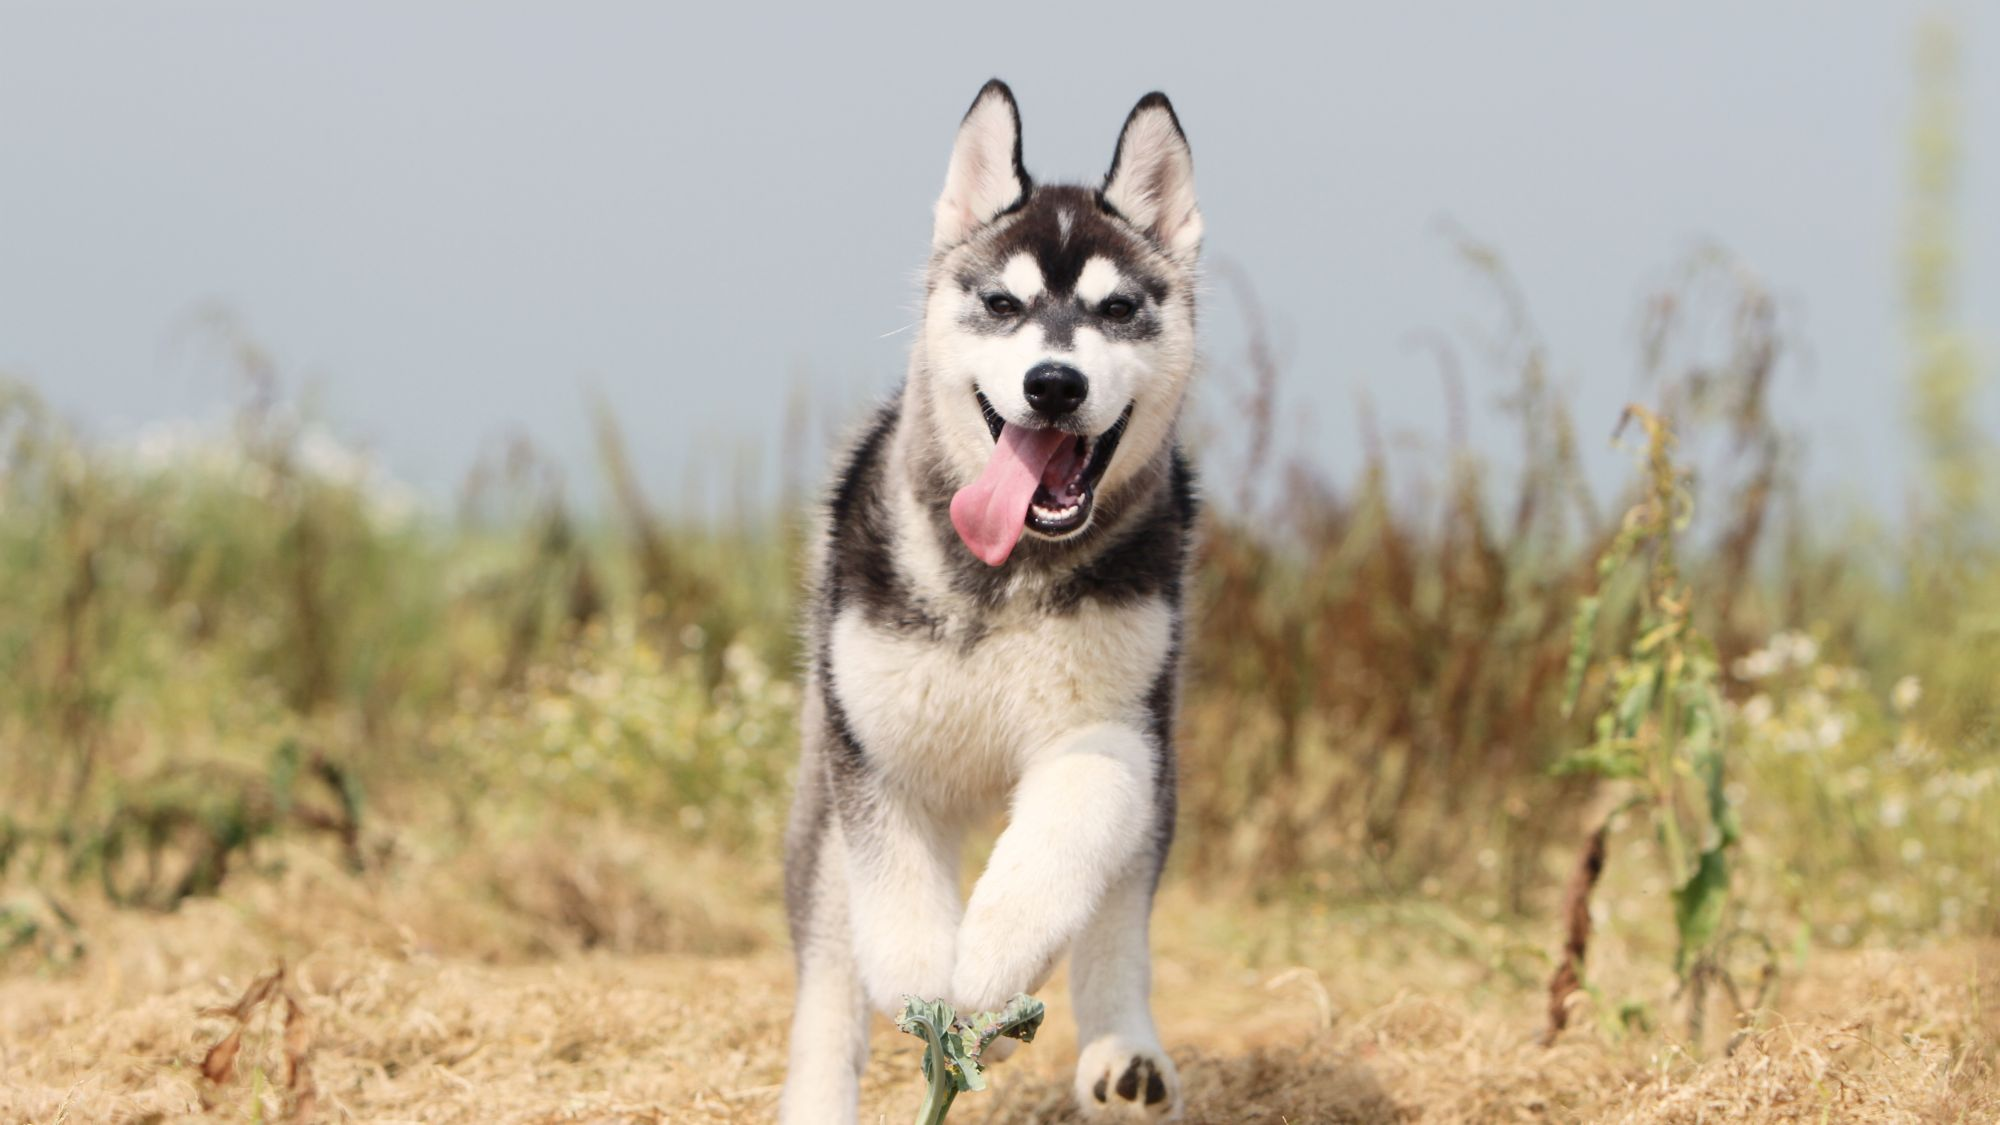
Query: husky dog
{"x": 996, "y": 619}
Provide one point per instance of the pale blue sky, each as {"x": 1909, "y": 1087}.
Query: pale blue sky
{"x": 455, "y": 218}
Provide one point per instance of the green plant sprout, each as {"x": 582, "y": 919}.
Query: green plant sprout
{"x": 1661, "y": 733}
{"x": 953, "y": 1045}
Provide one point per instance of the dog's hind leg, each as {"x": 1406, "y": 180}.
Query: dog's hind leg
{"x": 829, "y": 1047}
{"x": 1122, "y": 1068}
{"x": 829, "y": 1044}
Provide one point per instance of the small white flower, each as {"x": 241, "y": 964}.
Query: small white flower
{"x": 1755, "y": 666}
{"x": 1905, "y": 696}
{"x": 1895, "y": 810}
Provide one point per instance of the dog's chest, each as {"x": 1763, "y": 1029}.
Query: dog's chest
{"x": 956, "y": 717}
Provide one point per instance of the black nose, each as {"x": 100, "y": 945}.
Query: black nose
{"x": 1055, "y": 390}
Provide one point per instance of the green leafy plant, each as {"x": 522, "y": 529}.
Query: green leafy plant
{"x": 954, "y": 1045}
{"x": 1660, "y": 733}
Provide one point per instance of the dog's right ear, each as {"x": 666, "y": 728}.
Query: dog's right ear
{"x": 985, "y": 179}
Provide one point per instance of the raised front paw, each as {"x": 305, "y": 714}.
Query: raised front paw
{"x": 1121, "y": 1079}
{"x": 915, "y": 963}
{"x": 993, "y": 967}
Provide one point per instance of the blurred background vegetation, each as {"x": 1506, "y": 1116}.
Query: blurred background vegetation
{"x": 223, "y": 651}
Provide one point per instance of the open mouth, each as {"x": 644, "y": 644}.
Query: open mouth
{"x": 1066, "y": 491}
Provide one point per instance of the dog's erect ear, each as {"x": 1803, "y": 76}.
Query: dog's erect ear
{"x": 985, "y": 179}
{"x": 1151, "y": 181}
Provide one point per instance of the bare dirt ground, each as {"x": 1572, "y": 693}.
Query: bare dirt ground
{"x": 1272, "y": 1017}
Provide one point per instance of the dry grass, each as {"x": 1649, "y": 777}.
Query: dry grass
{"x": 291, "y": 721}
{"x": 424, "y": 1008}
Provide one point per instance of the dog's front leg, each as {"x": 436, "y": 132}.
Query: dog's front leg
{"x": 1080, "y": 815}
{"x": 902, "y": 868}
{"x": 1123, "y": 1072}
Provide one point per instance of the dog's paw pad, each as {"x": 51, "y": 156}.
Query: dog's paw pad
{"x": 1132, "y": 1083}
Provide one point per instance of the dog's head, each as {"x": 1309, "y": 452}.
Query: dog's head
{"x": 1058, "y": 331}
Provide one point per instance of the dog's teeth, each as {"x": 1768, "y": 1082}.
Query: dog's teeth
{"x": 1055, "y": 513}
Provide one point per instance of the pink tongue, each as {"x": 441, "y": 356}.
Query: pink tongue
{"x": 990, "y": 512}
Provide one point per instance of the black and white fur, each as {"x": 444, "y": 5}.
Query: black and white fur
{"x": 940, "y": 689}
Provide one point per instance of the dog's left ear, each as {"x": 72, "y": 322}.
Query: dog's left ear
{"x": 985, "y": 179}
{"x": 1151, "y": 182}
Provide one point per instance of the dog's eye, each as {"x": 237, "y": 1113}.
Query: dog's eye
{"x": 1000, "y": 304}
{"x": 1117, "y": 308}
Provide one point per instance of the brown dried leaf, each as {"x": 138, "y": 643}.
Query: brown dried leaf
{"x": 298, "y": 1043}
{"x": 220, "y": 1062}
{"x": 259, "y": 991}
{"x": 305, "y": 1093}
{"x": 1568, "y": 977}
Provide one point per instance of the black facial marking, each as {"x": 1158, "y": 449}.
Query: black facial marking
{"x": 1128, "y": 1082}
{"x": 980, "y": 321}
{"x": 1062, "y": 228}
{"x": 994, "y": 423}
{"x": 1038, "y": 231}
{"x": 1138, "y": 326}
{"x": 1058, "y": 319}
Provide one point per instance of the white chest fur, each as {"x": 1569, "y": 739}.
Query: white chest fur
{"x": 957, "y": 722}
